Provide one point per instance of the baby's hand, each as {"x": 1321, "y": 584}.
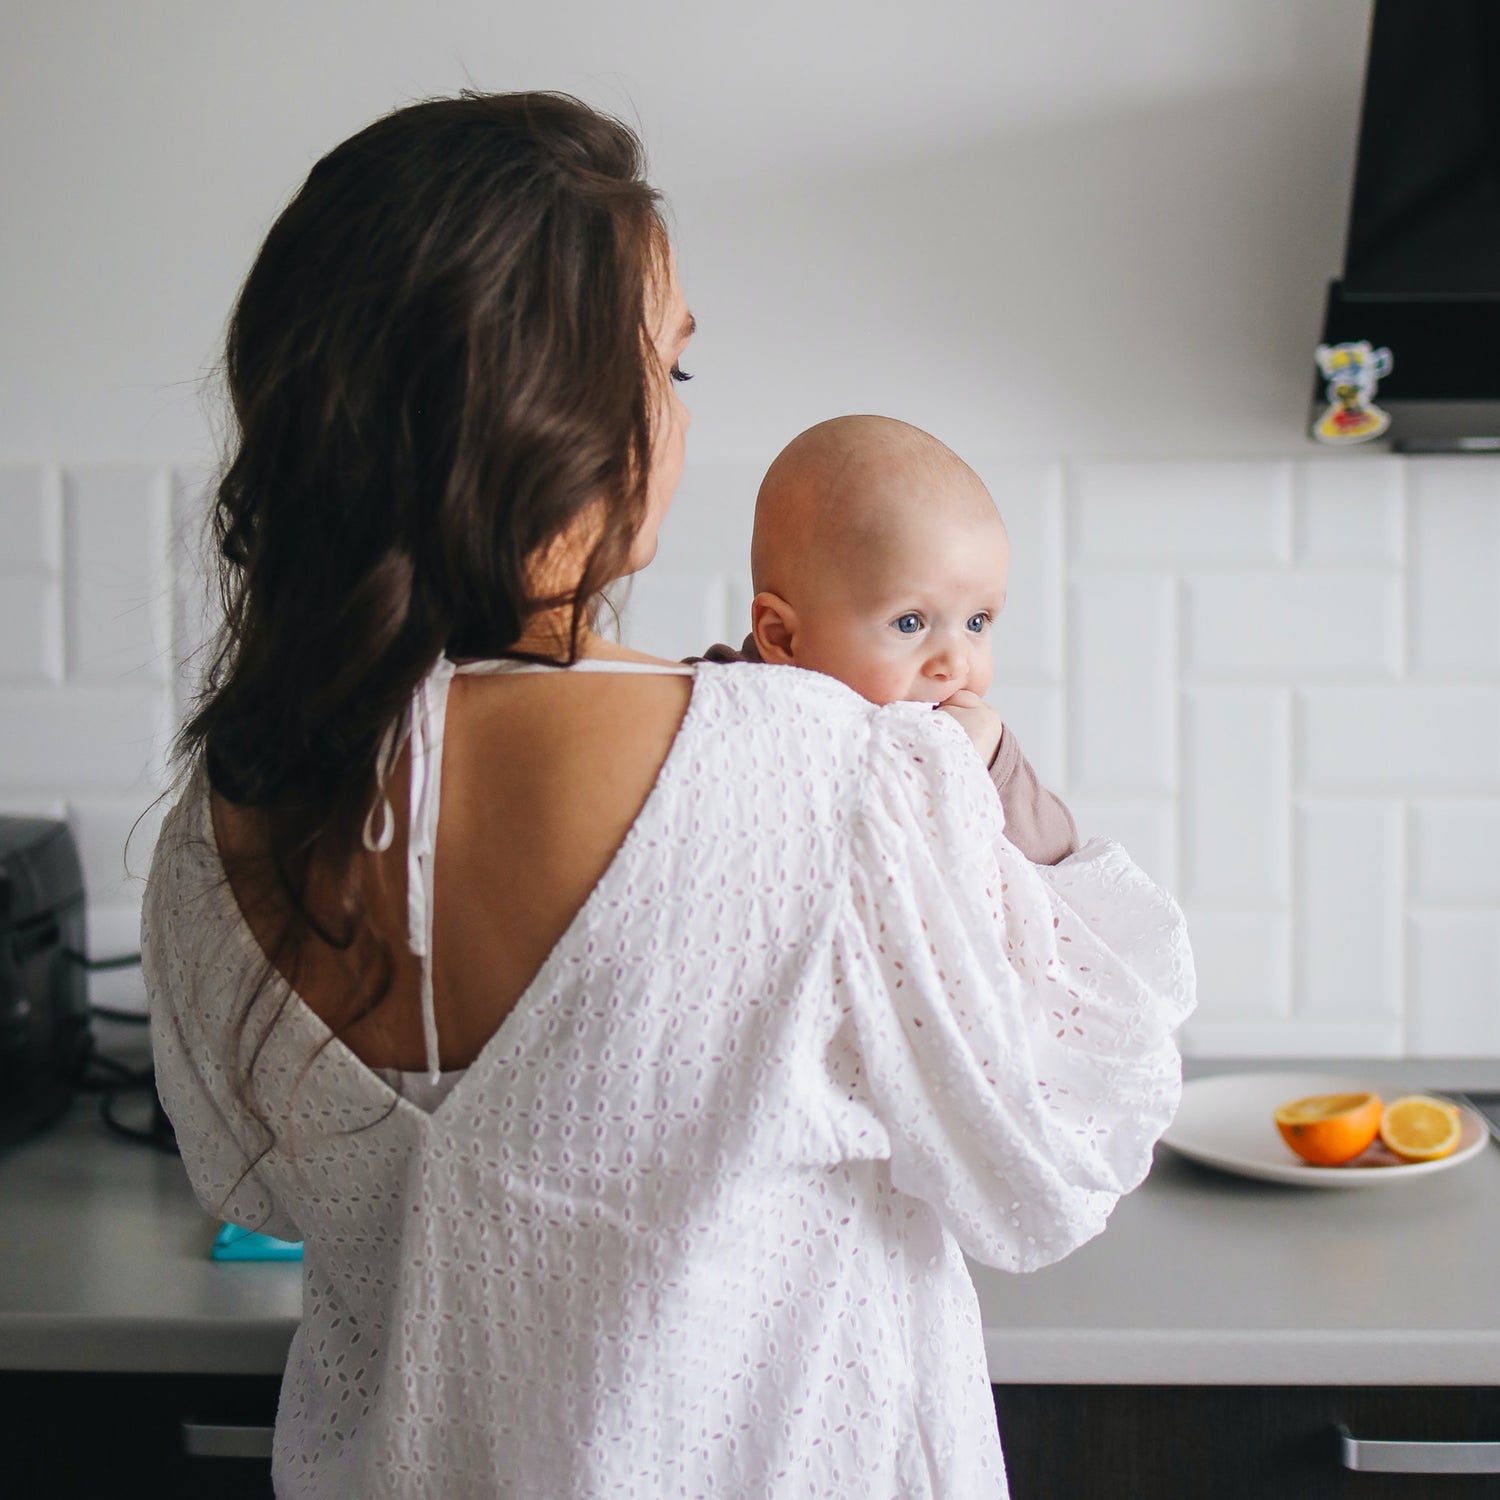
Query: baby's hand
{"x": 980, "y": 722}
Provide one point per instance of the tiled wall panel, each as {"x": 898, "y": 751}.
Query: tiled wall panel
{"x": 674, "y": 614}
{"x": 86, "y": 651}
{"x": 1285, "y": 627}
{"x": 30, "y": 520}
{"x": 1349, "y": 514}
{"x": 1349, "y": 909}
{"x": 31, "y": 629}
{"x": 1146, "y": 826}
{"x": 1455, "y": 567}
{"x": 1035, "y": 714}
{"x": 1455, "y": 852}
{"x": 1029, "y": 632}
{"x": 1243, "y": 960}
{"x": 1277, "y": 683}
{"x": 1455, "y": 969}
{"x": 1236, "y": 789}
{"x": 1401, "y": 740}
{"x": 1122, "y": 683}
{"x": 119, "y": 601}
{"x": 1235, "y": 514}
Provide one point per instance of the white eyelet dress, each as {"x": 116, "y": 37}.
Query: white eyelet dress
{"x": 693, "y": 1222}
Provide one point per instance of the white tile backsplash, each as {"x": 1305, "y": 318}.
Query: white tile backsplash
{"x": 1029, "y": 632}
{"x": 196, "y": 611}
{"x": 31, "y": 631}
{"x": 114, "y": 931}
{"x": 1147, "y": 826}
{"x": 1349, "y": 899}
{"x": 1233, "y": 514}
{"x": 675, "y": 614}
{"x": 1455, "y": 566}
{"x": 119, "y": 595}
{"x": 1035, "y": 713}
{"x": 1349, "y": 514}
{"x": 1236, "y": 796}
{"x": 1400, "y": 740}
{"x": 1297, "y": 1036}
{"x": 83, "y": 740}
{"x": 1454, "y": 852}
{"x": 1276, "y": 682}
{"x": 115, "y": 837}
{"x": 1122, "y": 682}
{"x": 1288, "y": 627}
{"x": 30, "y": 519}
{"x": 1243, "y": 962}
{"x": 1455, "y": 968}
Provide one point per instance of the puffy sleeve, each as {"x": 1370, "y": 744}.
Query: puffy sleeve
{"x": 189, "y": 993}
{"x": 1012, "y": 1024}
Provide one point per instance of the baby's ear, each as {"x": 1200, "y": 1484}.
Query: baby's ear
{"x": 773, "y": 623}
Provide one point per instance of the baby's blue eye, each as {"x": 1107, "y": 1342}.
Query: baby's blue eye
{"x": 908, "y": 624}
{"x": 976, "y": 623}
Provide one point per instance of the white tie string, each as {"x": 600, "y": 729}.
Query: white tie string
{"x": 424, "y": 725}
{"x": 385, "y": 757}
{"x": 421, "y": 850}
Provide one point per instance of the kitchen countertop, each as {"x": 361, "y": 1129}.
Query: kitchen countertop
{"x": 1200, "y": 1278}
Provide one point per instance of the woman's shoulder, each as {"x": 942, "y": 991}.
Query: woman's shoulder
{"x": 765, "y": 708}
{"x": 831, "y": 757}
{"x": 185, "y": 890}
{"x": 753, "y": 685}
{"x": 791, "y": 710}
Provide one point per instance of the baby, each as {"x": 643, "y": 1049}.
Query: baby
{"x": 879, "y": 558}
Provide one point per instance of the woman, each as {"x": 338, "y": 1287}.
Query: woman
{"x": 634, "y": 1047}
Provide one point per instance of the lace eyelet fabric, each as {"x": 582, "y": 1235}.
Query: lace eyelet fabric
{"x": 694, "y": 1221}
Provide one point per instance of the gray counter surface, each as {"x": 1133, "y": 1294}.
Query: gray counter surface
{"x": 1199, "y": 1278}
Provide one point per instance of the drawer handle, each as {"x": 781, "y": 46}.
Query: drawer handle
{"x": 1418, "y": 1458}
{"x": 211, "y": 1440}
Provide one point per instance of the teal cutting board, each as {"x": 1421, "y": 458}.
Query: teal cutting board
{"x": 234, "y": 1243}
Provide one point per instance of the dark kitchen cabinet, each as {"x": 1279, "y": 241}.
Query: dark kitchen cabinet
{"x": 83, "y": 1435}
{"x": 1106, "y": 1442}
{"x": 71, "y": 1436}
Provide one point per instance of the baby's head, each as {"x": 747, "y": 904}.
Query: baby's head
{"x": 880, "y": 559}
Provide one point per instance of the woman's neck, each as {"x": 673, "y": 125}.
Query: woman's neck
{"x": 548, "y": 635}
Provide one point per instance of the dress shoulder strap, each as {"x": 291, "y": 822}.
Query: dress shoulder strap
{"x": 583, "y": 664}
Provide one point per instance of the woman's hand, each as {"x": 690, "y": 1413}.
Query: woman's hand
{"x": 980, "y": 722}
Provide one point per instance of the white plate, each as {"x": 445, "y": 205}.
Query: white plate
{"x": 1226, "y": 1122}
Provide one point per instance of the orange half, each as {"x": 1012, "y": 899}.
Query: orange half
{"x": 1329, "y": 1129}
{"x": 1417, "y": 1128}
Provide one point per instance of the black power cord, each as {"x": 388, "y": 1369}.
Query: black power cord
{"x": 110, "y": 1078}
{"x": 100, "y": 965}
{"x": 113, "y": 1080}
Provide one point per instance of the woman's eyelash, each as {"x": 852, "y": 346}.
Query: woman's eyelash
{"x": 678, "y": 373}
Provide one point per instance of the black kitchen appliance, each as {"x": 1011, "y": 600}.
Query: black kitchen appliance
{"x": 45, "y": 1037}
{"x": 1422, "y": 260}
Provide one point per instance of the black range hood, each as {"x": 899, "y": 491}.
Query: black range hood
{"x": 1422, "y": 259}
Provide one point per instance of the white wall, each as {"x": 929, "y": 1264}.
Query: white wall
{"x": 1086, "y": 245}
{"x": 1032, "y": 228}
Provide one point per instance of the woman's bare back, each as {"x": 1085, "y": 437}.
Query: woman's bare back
{"x": 543, "y": 775}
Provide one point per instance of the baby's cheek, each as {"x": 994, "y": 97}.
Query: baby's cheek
{"x": 880, "y": 682}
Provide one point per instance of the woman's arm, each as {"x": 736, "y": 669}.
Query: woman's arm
{"x": 1013, "y": 1025}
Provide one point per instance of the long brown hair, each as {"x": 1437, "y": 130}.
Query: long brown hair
{"x": 438, "y": 363}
